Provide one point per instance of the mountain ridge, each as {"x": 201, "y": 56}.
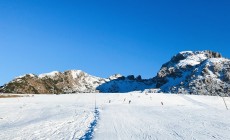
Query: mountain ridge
{"x": 73, "y": 81}
{"x": 189, "y": 72}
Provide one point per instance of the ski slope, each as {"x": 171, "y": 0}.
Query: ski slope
{"x": 45, "y": 117}
{"x": 74, "y": 116}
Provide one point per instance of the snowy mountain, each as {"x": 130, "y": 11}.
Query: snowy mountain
{"x": 74, "y": 81}
{"x": 199, "y": 72}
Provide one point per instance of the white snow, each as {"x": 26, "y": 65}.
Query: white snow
{"x": 45, "y": 117}
{"x": 30, "y": 74}
{"x": 192, "y": 59}
{"x": 51, "y": 74}
{"x": 76, "y": 73}
{"x": 115, "y": 76}
{"x": 214, "y": 61}
{"x": 71, "y": 116}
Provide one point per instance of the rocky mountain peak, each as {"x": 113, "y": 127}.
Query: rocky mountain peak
{"x": 181, "y": 63}
{"x": 199, "y": 72}
{"x": 190, "y": 58}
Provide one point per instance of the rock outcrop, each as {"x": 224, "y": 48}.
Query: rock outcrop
{"x": 200, "y": 72}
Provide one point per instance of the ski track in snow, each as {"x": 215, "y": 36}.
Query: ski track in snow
{"x": 89, "y": 134}
{"x": 181, "y": 117}
{"x": 75, "y": 116}
{"x": 46, "y": 117}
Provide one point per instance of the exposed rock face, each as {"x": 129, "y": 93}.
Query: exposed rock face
{"x": 73, "y": 81}
{"x": 201, "y": 72}
{"x": 181, "y": 63}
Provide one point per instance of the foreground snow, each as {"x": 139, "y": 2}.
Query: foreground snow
{"x": 46, "y": 116}
{"x": 74, "y": 117}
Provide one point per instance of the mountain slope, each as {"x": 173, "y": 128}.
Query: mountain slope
{"x": 200, "y": 72}
{"x": 74, "y": 81}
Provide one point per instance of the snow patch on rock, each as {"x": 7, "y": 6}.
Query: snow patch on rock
{"x": 51, "y": 74}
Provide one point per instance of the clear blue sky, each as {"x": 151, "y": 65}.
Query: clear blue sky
{"x": 104, "y": 37}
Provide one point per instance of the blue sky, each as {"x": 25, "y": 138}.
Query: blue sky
{"x": 105, "y": 37}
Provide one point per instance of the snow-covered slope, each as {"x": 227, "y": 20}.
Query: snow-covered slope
{"x": 45, "y": 117}
{"x": 74, "y": 116}
{"x": 201, "y": 72}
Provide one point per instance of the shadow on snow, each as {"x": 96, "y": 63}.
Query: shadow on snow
{"x": 89, "y": 134}
{"x": 127, "y": 85}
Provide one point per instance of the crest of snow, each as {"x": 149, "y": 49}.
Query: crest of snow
{"x": 31, "y": 75}
{"x": 76, "y": 73}
{"x": 83, "y": 78}
{"x": 186, "y": 52}
{"x": 51, "y": 74}
{"x": 115, "y": 76}
{"x": 192, "y": 58}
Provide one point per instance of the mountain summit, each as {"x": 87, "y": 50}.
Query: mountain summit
{"x": 199, "y": 72}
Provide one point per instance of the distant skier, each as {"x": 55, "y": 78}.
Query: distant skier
{"x": 129, "y": 101}
{"x": 162, "y": 103}
{"x": 109, "y": 101}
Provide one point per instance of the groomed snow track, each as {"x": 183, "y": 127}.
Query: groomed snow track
{"x": 75, "y": 116}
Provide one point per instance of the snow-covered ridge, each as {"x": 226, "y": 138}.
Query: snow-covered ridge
{"x": 115, "y": 76}
{"x": 200, "y": 72}
{"x": 50, "y": 74}
{"x": 76, "y": 81}
{"x": 75, "y": 73}
{"x": 192, "y": 58}
{"x": 193, "y": 72}
{"x": 30, "y": 74}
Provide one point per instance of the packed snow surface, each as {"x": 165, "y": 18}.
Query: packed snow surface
{"x": 115, "y": 116}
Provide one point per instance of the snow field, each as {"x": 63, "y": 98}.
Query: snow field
{"x": 148, "y": 116}
{"x": 41, "y": 117}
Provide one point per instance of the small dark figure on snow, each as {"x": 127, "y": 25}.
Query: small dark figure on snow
{"x": 124, "y": 99}
{"x": 129, "y": 101}
{"x": 162, "y": 103}
{"x": 109, "y": 101}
